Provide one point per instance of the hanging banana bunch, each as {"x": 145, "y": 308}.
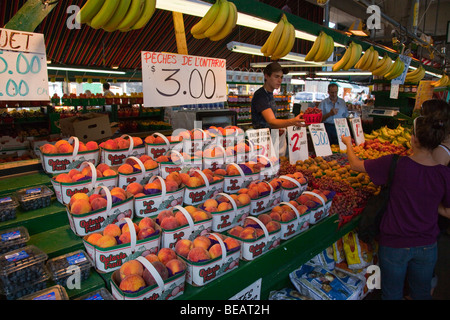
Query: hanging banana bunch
{"x": 416, "y": 75}
{"x": 383, "y": 66}
{"x": 218, "y": 21}
{"x": 396, "y": 69}
{"x": 322, "y": 48}
{"x": 444, "y": 81}
{"x": 369, "y": 60}
{"x": 280, "y": 41}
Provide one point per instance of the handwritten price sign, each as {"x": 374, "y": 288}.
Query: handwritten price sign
{"x": 357, "y": 129}
{"x": 263, "y": 139}
{"x": 320, "y": 139}
{"x": 175, "y": 79}
{"x": 341, "y": 129}
{"x": 298, "y": 144}
{"x": 23, "y": 66}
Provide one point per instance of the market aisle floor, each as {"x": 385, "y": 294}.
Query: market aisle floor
{"x": 442, "y": 290}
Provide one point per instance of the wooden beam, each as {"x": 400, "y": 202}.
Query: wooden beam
{"x": 180, "y": 33}
{"x": 30, "y": 15}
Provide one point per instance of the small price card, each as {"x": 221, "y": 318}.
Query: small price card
{"x": 342, "y": 129}
{"x": 320, "y": 139}
{"x": 298, "y": 144}
{"x": 357, "y": 129}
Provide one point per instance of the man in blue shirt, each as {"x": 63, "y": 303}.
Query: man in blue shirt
{"x": 263, "y": 104}
{"x": 332, "y": 108}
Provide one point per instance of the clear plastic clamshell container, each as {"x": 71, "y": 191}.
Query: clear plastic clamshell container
{"x": 100, "y": 294}
{"x": 34, "y": 198}
{"x": 8, "y": 207}
{"x": 13, "y": 238}
{"x": 62, "y": 267}
{"x": 56, "y": 292}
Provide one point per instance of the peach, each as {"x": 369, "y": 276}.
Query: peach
{"x": 253, "y": 193}
{"x": 132, "y": 283}
{"x": 135, "y": 188}
{"x": 220, "y": 172}
{"x": 169, "y": 223}
{"x": 171, "y": 186}
{"x": 162, "y": 270}
{"x": 198, "y": 254}
{"x": 231, "y": 243}
{"x": 79, "y": 195}
{"x": 122, "y": 143}
{"x": 137, "y": 141}
{"x": 152, "y": 257}
{"x": 48, "y": 148}
{"x": 287, "y": 216}
{"x": 144, "y": 158}
{"x": 102, "y": 167}
{"x": 92, "y": 145}
{"x": 210, "y": 203}
{"x": 194, "y": 182}
{"x": 106, "y": 241}
{"x": 224, "y": 206}
{"x": 65, "y": 148}
{"x": 112, "y": 230}
{"x": 118, "y": 190}
{"x": 202, "y": 241}
{"x": 60, "y": 142}
{"x": 190, "y": 209}
{"x": 110, "y": 144}
{"x": 302, "y": 209}
{"x": 181, "y": 218}
{"x": 82, "y": 147}
{"x": 78, "y": 177}
{"x": 126, "y": 168}
{"x": 125, "y": 237}
{"x": 152, "y": 187}
{"x": 175, "y": 266}
{"x": 94, "y": 196}
{"x": 236, "y": 231}
{"x": 264, "y": 218}
{"x": 184, "y": 178}
{"x": 145, "y": 233}
{"x": 162, "y": 159}
{"x": 273, "y": 226}
{"x": 248, "y": 233}
{"x": 80, "y": 206}
{"x": 126, "y": 228}
{"x": 215, "y": 251}
{"x": 99, "y": 203}
{"x": 150, "y": 164}
{"x": 109, "y": 172}
{"x": 244, "y": 199}
{"x": 174, "y": 176}
{"x": 93, "y": 238}
{"x": 278, "y": 209}
{"x": 199, "y": 216}
{"x": 275, "y": 215}
{"x": 165, "y": 255}
{"x": 146, "y": 222}
{"x": 131, "y": 267}
{"x": 64, "y": 177}
{"x": 183, "y": 246}
{"x": 162, "y": 215}
{"x": 73, "y": 172}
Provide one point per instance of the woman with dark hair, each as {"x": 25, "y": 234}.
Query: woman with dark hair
{"x": 420, "y": 191}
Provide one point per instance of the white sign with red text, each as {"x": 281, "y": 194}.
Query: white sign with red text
{"x": 298, "y": 144}
{"x": 357, "y": 129}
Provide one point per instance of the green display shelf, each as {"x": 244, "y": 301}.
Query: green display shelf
{"x": 10, "y": 184}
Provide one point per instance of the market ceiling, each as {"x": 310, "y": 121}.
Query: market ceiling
{"x": 88, "y": 47}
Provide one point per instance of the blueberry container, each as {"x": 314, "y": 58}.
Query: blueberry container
{"x": 25, "y": 288}
{"x": 56, "y": 292}
{"x": 62, "y": 267}
{"x": 8, "y": 207}
{"x": 13, "y": 238}
{"x": 21, "y": 267}
{"x": 34, "y": 197}
{"x": 100, "y": 294}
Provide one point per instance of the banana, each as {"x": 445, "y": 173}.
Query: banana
{"x": 442, "y": 82}
{"x": 229, "y": 25}
{"x": 220, "y": 20}
{"x": 416, "y": 75}
{"x": 89, "y": 10}
{"x": 106, "y": 12}
{"x": 290, "y": 43}
{"x": 132, "y": 16}
{"x": 324, "y": 50}
{"x": 384, "y": 67}
{"x": 338, "y": 65}
{"x": 207, "y": 20}
{"x": 355, "y": 56}
{"x": 374, "y": 63}
{"x": 275, "y": 38}
{"x": 147, "y": 13}
{"x": 364, "y": 59}
{"x": 396, "y": 70}
{"x": 313, "y": 51}
{"x": 118, "y": 15}
{"x": 284, "y": 39}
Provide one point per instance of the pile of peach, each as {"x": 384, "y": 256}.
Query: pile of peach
{"x": 131, "y": 166}
{"x": 204, "y": 248}
{"x": 228, "y": 130}
{"x": 173, "y": 183}
{"x": 154, "y": 139}
{"x": 259, "y": 189}
{"x": 134, "y": 276}
{"x": 285, "y": 183}
{"x": 169, "y": 220}
{"x": 81, "y": 203}
{"x": 223, "y": 203}
{"x": 121, "y": 143}
{"x": 114, "y": 234}
{"x": 285, "y": 213}
{"x": 63, "y": 146}
{"x": 193, "y": 179}
{"x": 252, "y": 230}
{"x": 174, "y": 158}
{"x": 312, "y": 201}
{"x": 74, "y": 175}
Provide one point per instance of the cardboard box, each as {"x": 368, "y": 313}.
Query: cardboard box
{"x": 87, "y": 127}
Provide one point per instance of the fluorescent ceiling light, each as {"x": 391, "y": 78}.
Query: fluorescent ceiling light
{"x": 343, "y": 73}
{"x": 85, "y": 70}
{"x": 298, "y": 73}
{"x": 199, "y": 8}
{"x": 292, "y": 64}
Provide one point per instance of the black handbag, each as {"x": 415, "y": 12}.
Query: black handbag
{"x": 369, "y": 223}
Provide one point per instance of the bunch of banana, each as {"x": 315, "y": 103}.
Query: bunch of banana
{"x": 218, "y": 21}
{"x": 383, "y": 66}
{"x": 350, "y": 57}
{"x": 416, "y": 75}
{"x": 444, "y": 81}
{"x": 280, "y": 41}
{"x": 396, "y": 70}
{"x": 113, "y": 15}
{"x": 397, "y": 136}
{"x": 368, "y": 61}
{"x": 322, "y": 48}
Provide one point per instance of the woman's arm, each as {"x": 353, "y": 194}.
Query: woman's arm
{"x": 275, "y": 123}
{"x": 443, "y": 211}
{"x": 355, "y": 163}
